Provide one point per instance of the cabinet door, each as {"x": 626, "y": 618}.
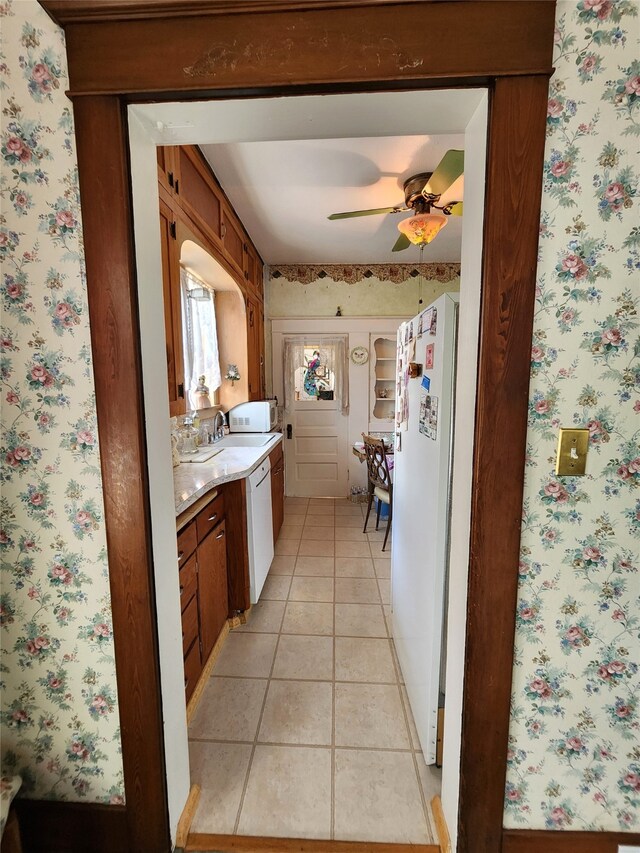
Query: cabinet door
{"x": 233, "y": 240}
{"x": 199, "y": 194}
{"x": 172, "y": 309}
{"x": 168, "y": 166}
{"x": 277, "y": 490}
{"x": 212, "y": 587}
{"x": 253, "y": 349}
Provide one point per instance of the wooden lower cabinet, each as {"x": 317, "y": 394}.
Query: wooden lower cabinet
{"x": 202, "y": 557}
{"x": 276, "y": 457}
{"x": 212, "y": 588}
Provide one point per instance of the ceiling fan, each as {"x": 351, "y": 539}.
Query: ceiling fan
{"x": 421, "y": 193}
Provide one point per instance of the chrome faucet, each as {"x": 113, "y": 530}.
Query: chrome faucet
{"x": 219, "y": 423}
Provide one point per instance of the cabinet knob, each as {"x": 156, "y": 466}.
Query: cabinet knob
{"x": 223, "y": 230}
{"x": 213, "y": 517}
{"x": 181, "y": 590}
{"x": 180, "y": 555}
{"x": 220, "y": 535}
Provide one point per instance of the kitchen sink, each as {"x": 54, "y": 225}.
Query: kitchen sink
{"x": 246, "y": 440}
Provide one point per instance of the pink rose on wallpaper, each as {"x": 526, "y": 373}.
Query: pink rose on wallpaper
{"x": 588, "y": 64}
{"x": 636, "y": 406}
{"x": 514, "y": 794}
{"x": 62, "y": 310}
{"x": 62, "y": 615}
{"x": 65, "y": 217}
{"x": 623, "y": 472}
{"x": 14, "y": 144}
{"x": 599, "y": 797}
{"x": 12, "y": 398}
{"x": 574, "y": 743}
{"x": 84, "y": 518}
{"x": 560, "y": 168}
{"x": 616, "y": 667}
{"x": 37, "y": 499}
{"x": 537, "y": 353}
{"x": 540, "y": 686}
{"x": 54, "y": 683}
{"x": 623, "y": 711}
{"x": 116, "y": 800}
{"x": 575, "y": 634}
{"x": 618, "y": 616}
{"x": 634, "y": 466}
{"x": 591, "y": 553}
{"x": 20, "y": 716}
{"x": 44, "y": 420}
{"x": 575, "y": 265}
{"x": 22, "y": 453}
{"x": 42, "y": 375}
{"x": 527, "y": 614}
{"x": 32, "y": 593}
{"x": 21, "y": 200}
{"x": 542, "y": 407}
{"x": 85, "y": 436}
{"x": 603, "y": 673}
{"x": 554, "y": 107}
{"x": 556, "y": 491}
{"x": 25, "y": 154}
{"x": 559, "y": 816}
{"x": 61, "y": 572}
{"x": 101, "y": 629}
{"x": 14, "y": 290}
{"x": 632, "y": 780}
{"x": 78, "y": 748}
{"x": 632, "y": 86}
{"x": 41, "y": 73}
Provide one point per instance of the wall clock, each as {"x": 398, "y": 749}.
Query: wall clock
{"x": 359, "y": 355}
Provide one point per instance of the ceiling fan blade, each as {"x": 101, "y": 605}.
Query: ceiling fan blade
{"x": 447, "y": 171}
{"x": 455, "y": 209}
{"x": 402, "y": 242}
{"x": 372, "y": 212}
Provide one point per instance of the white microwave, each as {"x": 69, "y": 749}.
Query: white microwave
{"x": 259, "y": 416}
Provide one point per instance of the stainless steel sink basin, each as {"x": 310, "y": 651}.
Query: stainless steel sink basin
{"x": 245, "y": 440}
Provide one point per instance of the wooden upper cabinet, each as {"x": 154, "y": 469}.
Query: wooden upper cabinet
{"x": 253, "y": 270}
{"x": 200, "y": 196}
{"x": 172, "y": 308}
{"x": 255, "y": 348}
{"x": 168, "y": 168}
{"x": 233, "y": 239}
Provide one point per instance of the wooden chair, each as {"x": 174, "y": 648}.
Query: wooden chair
{"x": 380, "y": 485}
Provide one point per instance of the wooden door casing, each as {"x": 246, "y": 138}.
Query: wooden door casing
{"x": 497, "y": 42}
{"x": 172, "y": 309}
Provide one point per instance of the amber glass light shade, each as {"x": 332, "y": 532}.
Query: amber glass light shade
{"x": 423, "y": 228}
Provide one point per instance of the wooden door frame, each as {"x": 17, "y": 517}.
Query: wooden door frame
{"x": 129, "y": 51}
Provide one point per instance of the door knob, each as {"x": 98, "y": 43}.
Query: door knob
{"x": 289, "y": 430}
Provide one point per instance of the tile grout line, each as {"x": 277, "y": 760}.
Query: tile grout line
{"x": 255, "y": 739}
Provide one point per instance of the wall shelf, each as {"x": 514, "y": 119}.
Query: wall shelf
{"x": 382, "y": 378}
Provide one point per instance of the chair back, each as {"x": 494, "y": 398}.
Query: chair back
{"x": 377, "y": 467}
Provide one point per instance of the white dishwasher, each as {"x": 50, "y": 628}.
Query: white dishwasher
{"x": 260, "y": 524}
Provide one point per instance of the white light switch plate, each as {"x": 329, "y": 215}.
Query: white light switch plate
{"x": 626, "y": 848}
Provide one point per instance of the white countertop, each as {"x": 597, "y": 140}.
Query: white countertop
{"x": 191, "y": 480}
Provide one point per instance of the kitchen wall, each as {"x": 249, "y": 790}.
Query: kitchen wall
{"x": 59, "y": 702}
{"x": 314, "y": 290}
{"x": 574, "y": 761}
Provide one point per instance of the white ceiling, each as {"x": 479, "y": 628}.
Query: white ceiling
{"x": 287, "y": 163}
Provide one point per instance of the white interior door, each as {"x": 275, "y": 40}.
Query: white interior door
{"x": 316, "y": 453}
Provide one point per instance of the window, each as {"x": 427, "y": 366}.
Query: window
{"x": 200, "y": 340}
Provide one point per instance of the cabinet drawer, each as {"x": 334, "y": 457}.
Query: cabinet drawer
{"x": 192, "y": 669}
{"x": 189, "y": 624}
{"x": 188, "y": 582}
{"x": 211, "y": 515}
{"x": 187, "y": 541}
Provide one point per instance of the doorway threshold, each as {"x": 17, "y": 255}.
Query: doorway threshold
{"x": 207, "y": 843}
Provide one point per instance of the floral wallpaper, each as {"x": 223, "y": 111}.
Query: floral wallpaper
{"x": 59, "y": 712}
{"x": 574, "y": 761}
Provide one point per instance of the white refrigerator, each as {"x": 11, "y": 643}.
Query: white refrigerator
{"x": 421, "y": 506}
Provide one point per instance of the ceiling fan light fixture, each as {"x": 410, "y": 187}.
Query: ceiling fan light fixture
{"x": 423, "y": 227}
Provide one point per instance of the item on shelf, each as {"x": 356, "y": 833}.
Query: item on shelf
{"x": 203, "y": 401}
{"x": 189, "y": 435}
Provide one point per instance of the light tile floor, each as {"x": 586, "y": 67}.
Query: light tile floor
{"x": 304, "y": 729}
